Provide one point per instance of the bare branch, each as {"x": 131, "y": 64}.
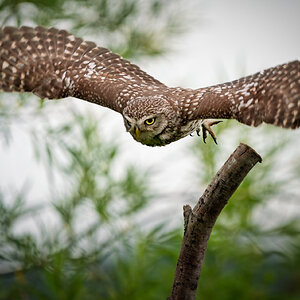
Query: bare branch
{"x": 200, "y": 221}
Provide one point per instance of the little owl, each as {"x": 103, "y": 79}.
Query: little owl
{"x": 54, "y": 64}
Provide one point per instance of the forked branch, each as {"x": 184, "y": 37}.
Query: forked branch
{"x": 200, "y": 221}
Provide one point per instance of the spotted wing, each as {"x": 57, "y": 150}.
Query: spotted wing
{"x": 54, "y": 64}
{"x": 271, "y": 96}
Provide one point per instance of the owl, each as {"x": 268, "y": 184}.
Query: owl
{"x": 54, "y": 64}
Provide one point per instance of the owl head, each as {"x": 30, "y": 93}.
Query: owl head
{"x": 151, "y": 120}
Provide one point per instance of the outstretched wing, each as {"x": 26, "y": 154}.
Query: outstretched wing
{"x": 54, "y": 64}
{"x": 271, "y": 96}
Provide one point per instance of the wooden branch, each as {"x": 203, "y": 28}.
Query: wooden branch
{"x": 200, "y": 221}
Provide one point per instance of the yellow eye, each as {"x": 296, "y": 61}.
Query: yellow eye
{"x": 150, "y": 121}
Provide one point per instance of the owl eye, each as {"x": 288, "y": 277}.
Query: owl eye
{"x": 150, "y": 121}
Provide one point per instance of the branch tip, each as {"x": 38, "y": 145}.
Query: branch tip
{"x": 207, "y": 209}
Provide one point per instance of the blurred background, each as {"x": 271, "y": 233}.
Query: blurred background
{"x": 87, "y": 213}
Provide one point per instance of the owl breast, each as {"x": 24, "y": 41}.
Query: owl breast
{"x": 189, "y": 128}
{"x": 170, "y": 135}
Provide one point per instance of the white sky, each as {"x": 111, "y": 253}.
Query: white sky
{"x": 235, "y": 38}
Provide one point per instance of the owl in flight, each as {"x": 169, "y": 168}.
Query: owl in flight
{"x": 54, "y": 64}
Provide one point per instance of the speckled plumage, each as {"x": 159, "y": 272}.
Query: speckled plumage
{"x": 54, "y": 64}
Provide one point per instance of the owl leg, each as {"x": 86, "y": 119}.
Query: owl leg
{"x": 206, "y": 127}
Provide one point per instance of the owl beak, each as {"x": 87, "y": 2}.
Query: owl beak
{"x": 137, "y": 132}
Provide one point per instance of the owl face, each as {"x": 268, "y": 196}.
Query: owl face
{"x": 151, "y": 121}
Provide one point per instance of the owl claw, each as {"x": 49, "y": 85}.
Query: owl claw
{"x": 206, "y": 127}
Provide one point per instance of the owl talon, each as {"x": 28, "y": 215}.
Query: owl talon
{"x": 206, "y": 127}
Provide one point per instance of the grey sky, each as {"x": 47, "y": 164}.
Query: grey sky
{"x": 236, "y": 37}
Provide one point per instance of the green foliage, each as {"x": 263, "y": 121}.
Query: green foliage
{"x": 61, "y": 257}
{"x": 112, "y": 258}
{"x": 250, "y": 257}
{"x": 92, "y": 245}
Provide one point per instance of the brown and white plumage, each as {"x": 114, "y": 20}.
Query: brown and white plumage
{"x": 54, "y": 64}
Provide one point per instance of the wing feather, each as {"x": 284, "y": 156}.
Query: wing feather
{"x": 271, "y": 96}
{"x": 54, "y": 64}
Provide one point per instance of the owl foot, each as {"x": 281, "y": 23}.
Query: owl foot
{"x": 206, "y": 127}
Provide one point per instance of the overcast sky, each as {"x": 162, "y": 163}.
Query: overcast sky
{"x": 233, "y": 36}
